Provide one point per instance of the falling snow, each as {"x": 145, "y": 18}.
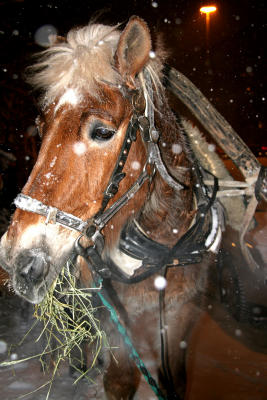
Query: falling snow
{"x": 211, "y": 147}
{"x": 3, "y": 347}
{"x": 160, "y": 283}
{"x": 177, "y": 148}
{"x": 136, "y": 165}
{"x": 45, "y": 35}
{"x": 183, "y": 344}
{"x": 79, "y": 148}
{"x": 238, "y": 332}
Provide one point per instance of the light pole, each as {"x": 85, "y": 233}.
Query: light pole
{"x": 207, "y": 10}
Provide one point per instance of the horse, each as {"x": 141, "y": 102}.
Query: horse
{"x": 117, "y": 189}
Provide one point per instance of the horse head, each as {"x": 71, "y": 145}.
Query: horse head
{"x": 95, "y": 90}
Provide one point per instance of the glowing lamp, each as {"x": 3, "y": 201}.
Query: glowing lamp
{"x": 208, "y": 9}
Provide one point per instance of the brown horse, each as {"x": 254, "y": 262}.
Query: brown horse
{"x": 116, "y": 183}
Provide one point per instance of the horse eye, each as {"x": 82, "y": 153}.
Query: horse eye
{"x": 102, "y": 133}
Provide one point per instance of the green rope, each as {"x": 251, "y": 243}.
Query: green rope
{"x": 133, "y": 353}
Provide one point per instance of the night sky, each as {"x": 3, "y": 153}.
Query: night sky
{"x": 232, "y": 75}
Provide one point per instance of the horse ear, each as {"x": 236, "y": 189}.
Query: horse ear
{"x": 133, "y": 49}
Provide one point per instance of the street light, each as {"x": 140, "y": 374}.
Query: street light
{"x": 207, "y": 10}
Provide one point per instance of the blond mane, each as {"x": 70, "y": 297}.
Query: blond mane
{"x": 85, "y": 58}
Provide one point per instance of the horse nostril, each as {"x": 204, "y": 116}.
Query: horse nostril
{"x": 31, "y": 267}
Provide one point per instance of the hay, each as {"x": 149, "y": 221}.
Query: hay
{"x": 68, "y": 323}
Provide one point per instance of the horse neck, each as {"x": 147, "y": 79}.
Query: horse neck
{"x": 168, "y": 213}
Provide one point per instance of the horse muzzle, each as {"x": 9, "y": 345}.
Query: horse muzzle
{"x": 31, "y": 268}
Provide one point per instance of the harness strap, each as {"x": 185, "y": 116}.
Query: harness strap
{"x": 117, "y": 174}
{"x": 87, "y": 228}
{"x": 52, "y": 214}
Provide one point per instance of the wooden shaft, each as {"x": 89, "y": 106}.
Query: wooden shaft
{"x": 213, "y": 122}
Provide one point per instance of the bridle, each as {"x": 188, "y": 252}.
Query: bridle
{"x": 143, "y": 120}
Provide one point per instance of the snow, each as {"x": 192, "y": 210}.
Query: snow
{"x": 160, "y": 282}
{"x": 45, "y": 35}
{"x": 183, "y": 344}
{"x": 48, "y": 175}
{"x": 211, "y": 147}
{"x": 136, "y": 165}
{"x": 52, "y": 164}
{"x": 3, "y": 347}
{"x": 238, "y": 332}
{"x": 177, "y": 148}
{"x": 79, "y": 148}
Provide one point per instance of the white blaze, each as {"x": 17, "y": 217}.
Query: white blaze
{"x": 71, "y": 96}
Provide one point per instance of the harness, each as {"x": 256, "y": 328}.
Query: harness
{"x": 204, "y": 235}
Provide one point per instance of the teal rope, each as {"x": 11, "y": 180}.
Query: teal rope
{"x": 133, "y": 353}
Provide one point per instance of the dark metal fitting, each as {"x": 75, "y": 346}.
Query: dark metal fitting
{"x": 90, "y": 231}
{"x": 104, "y": 272}
{"x": 80, "y": 250}
{"x": 154, "y": 135}
{"x": 112, "y": 189}
{"x": 144, "y": 127}
{"x": 133, "y": 128}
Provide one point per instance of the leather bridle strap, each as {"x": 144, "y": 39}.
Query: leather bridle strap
{"x": 55, "y": 215}
{"x": 92, "y": 227}
{"x": 117, "y": 174}
{"x": 52, "y": 214}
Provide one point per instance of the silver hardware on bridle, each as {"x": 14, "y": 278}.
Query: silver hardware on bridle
{"x": 54, "y": 215}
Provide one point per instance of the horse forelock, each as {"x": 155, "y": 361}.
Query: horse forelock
{"x": 85, "y": 59}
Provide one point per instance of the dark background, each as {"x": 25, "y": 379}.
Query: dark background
{"x": 231, "y": 76}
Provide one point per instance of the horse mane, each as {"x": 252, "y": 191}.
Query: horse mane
{"x": 80, "y": 61}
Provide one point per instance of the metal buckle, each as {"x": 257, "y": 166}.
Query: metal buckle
{"x": 51, "y": 215}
